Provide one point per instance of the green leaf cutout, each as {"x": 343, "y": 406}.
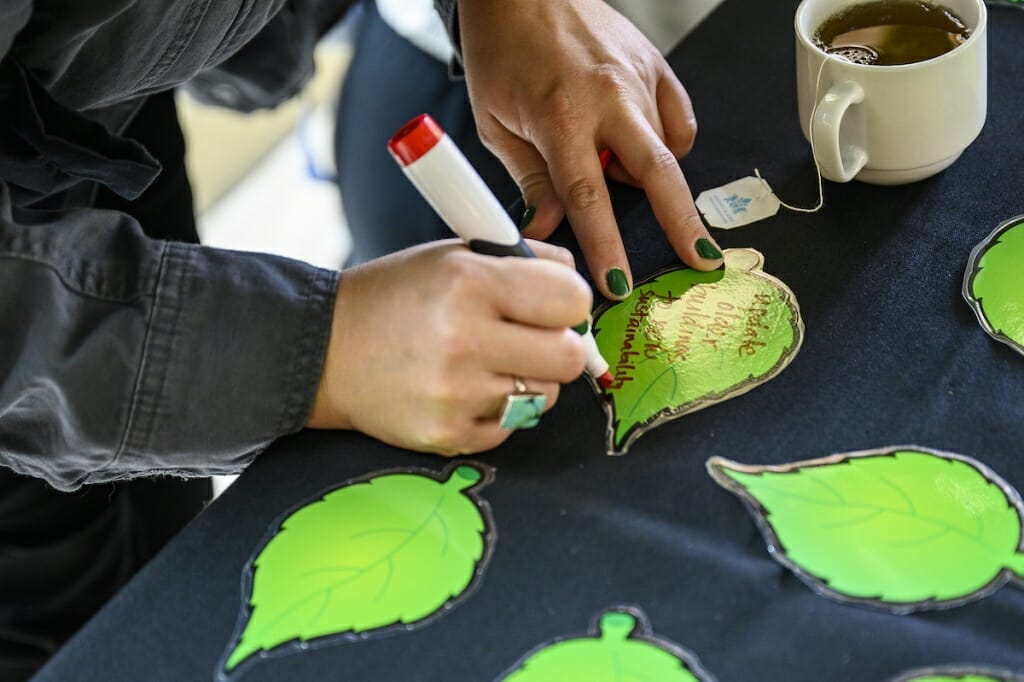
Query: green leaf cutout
{"x": 994, "y": 283}
{"x": 903, "y": 529}
{"x": 618, "y": 650}
{"x": 686, "y": 339}
{"x": 956, "y": 678}
{"x": 958, "y": 673}
{"x": 382, "y": 553}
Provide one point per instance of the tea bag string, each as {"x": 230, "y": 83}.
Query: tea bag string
{"x": 814, "y": 157}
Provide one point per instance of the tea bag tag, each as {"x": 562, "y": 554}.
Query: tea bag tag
{"x": 750, "y": 199}
{"x": 739, "y": 203}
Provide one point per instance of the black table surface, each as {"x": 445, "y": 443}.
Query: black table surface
{"x": 892, "y": 355}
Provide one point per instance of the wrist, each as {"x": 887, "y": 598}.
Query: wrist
{"x": 329, "y": 410}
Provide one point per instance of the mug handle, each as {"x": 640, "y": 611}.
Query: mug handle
{"x": 838, "y": 163}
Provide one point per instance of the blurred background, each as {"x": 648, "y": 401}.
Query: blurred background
{"x": 241, "y": 165}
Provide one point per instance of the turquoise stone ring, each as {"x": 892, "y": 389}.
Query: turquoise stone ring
{"x": 522, "y": 409}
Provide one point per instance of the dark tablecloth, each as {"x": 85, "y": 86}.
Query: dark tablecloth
{"x": 892, "y": 355}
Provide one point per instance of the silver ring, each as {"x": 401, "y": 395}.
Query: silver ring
{"x": 522, "y": 409}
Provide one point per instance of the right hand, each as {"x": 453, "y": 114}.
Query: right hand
{"x": 425, "y": 343}
{"x": 554, "y": 82}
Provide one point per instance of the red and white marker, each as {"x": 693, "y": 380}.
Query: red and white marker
{"x": 457, "y": 193}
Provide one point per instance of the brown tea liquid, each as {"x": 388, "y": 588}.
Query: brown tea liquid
{"x": 890, "y": 32}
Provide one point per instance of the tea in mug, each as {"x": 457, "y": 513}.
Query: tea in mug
{"x": 891, "y": 32}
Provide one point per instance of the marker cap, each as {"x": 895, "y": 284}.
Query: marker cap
{"x": 414, "y": 139}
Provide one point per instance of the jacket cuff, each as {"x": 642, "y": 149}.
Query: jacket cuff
{"x": 232, "y": 360}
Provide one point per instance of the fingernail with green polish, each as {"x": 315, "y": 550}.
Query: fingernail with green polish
{"x": 527, "y": 218}
{"x": 707, "y": 250}
{"x": 617, "y": 283}
{"x": 582, "y": 328}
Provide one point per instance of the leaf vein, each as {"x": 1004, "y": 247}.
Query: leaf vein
{"x": 257, "y": 635}
{"x": 380, "y": 531}
{"x": 852, "y": 522}
{"x": 650, "y": 387}
{"x": 386, "y": 583}
{"x": 911, "y": 508}
{"x": 323, "y": 606}
{"x": 922, "y": 540}
{"x": 942, "y": 524}
{"x": 444, "y": 528}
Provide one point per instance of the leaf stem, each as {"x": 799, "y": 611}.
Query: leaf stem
{"x": 464, "y": 476}
{"x": 617, "y": 625}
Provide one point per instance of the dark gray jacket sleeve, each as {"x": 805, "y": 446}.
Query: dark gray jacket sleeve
{"x": 122, "y": 356}
{"x": 275, "y": 64}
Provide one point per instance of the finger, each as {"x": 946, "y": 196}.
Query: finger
{"x": 656, "y": 167}
{"x": 504, "y": 385}
{"x": 555, "y": 355}
{"x": 543, "y": 211}
{"x": 551, "y": 252}
{"x": 508, "y": 412}
{"x": 539, "y": 292}
{"x": 463, "y": 417}
{"x": 676, "y": 113}
{"x": 477, "y": 435}
{"x": 579, "y": 181}
{"x": 486, "y": 432}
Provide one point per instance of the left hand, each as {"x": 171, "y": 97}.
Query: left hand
{"x": 552, "y": 84}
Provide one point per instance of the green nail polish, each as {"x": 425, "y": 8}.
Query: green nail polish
{"x": 707, "y": 250}
{"x": 617, "y": 283}
{"x": 581, "y": 328}
{"x": 527, "y": 218}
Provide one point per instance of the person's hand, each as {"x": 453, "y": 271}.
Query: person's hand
{"x": 552, "y": 83}
{"x": 425, "y": 344}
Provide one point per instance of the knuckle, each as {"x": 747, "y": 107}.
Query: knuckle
{"x": 532, "y": 179}
{"x": 488, "y": 135}
{"x": 454, "y": 347}
{"x": 610, "y": 81}
{"x": 465, "y": 273}
{"x": 661, "y": 160}
{"x": 561, "y": 118}
{"x": 582, "y": 194}
{"x": 646, "y": 64}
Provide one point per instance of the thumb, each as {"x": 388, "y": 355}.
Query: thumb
{"x": 543, "y": 210}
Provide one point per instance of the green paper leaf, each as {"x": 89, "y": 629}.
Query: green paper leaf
{"x": 957, "y": 678}
{"x": 687, "y": 339}
{"x": 959, "y": 673}
{"x": 900, "y": 528}
{"x": 994, "y": 283}
{"x": 619, "y": 650}
{"x": 377, "y": 554}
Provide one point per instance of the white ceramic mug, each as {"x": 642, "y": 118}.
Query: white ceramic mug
{"x": 890, "y": 125}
